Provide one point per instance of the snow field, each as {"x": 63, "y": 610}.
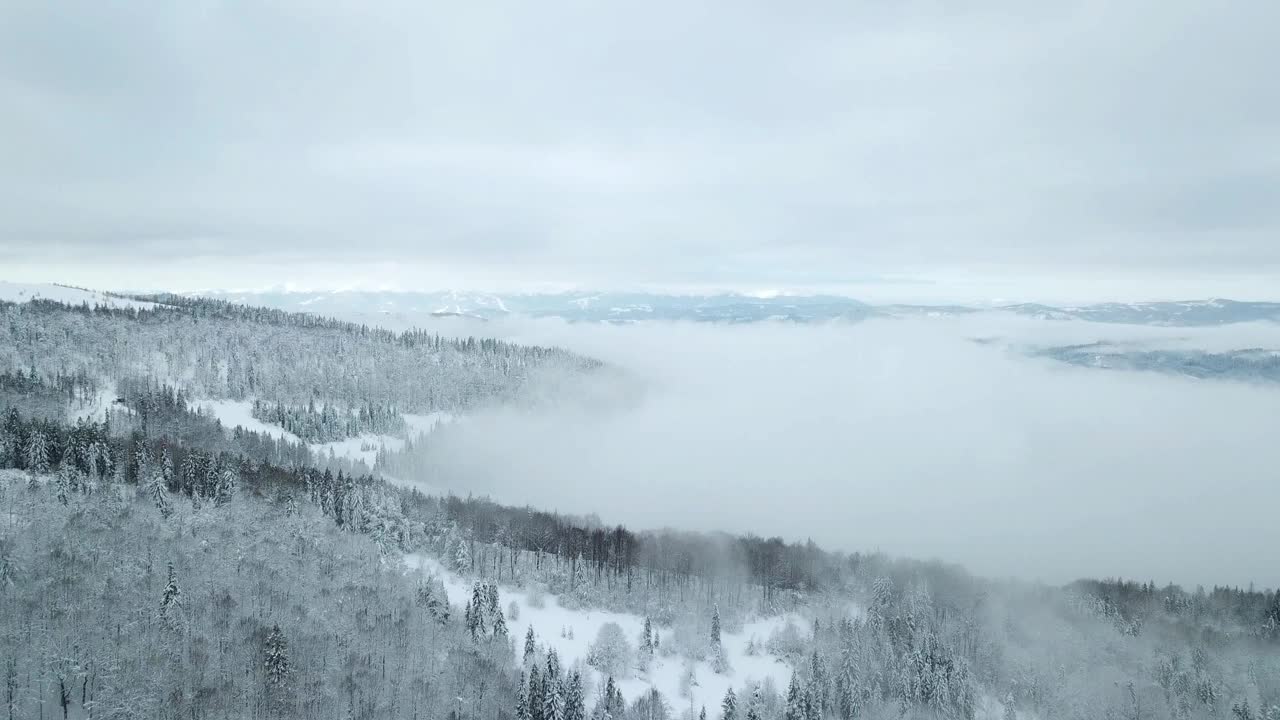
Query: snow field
{"x": 26, "y": 292}
{"x": 234, "y": 413}
{"x": 552, "y": 623}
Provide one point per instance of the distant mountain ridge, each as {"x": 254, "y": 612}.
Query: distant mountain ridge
{"x": 622, "y": 307}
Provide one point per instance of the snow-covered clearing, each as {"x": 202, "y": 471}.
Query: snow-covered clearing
{"x": 96, "y": 410}
{"x": 364, "y": 448}
{"x": 26, "y": 292}
{"x": 420, "y": 425}
{"x": 552, "y": 624}
{"x": 235, "y": 413}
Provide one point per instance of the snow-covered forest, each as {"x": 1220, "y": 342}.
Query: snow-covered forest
{"x": 156, "y": 562}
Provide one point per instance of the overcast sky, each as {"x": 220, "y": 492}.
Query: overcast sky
{"x": 1075, "y": 147}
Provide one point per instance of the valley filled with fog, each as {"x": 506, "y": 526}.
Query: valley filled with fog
{"x": 906, "y": 436}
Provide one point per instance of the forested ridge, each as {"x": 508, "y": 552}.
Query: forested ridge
{"x": 218, "y": 350}
{"x": 155, "y": 564}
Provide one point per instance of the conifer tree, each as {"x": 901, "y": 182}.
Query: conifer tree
{"x": 37, "y": 455}
{"x": 276, "y": 662}
{"x": 499, "y": 626}
{"x": 469, "y": 620}
{"x": 477, "y": 624}
{"x": 522, "y": 698}
{"x": 715, "y": 626}
{"x": 535, "y": 699}
{"x": 611, "y": 706}
{"x": 553, "y": 697}
{"x": 795, "y": 700}
{"x": 753, "y": 706}
{"x": 845, "y": 702}
{"x": 170, "y": 598}
{"x": 553, "y": 666}
{"x": 159, "y": 494}
{"x": 67, "y": 481}
{"x": 719, "y": 662}
{"x": 461, "y": 554}
{"x": 529, "y": 645}
{"x": 575, "y": 706}
{"x": 818, "y": 680}
{"x": 729, "y": 706}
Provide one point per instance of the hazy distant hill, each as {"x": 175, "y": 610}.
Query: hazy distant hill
{"x": 727, "y": 307}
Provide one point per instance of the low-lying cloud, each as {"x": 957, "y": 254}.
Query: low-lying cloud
{"x": 906, "y": 437}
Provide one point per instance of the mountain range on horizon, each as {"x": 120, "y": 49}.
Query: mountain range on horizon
{"x": 621, "y": 307}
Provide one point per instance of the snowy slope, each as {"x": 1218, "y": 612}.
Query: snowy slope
{"x": 549, "y": 621}
{"x": 421, "y": 425}
{"x": 26, "y": 292}
{"x": 364, "y": 447}
{"x": 234, "y": 413}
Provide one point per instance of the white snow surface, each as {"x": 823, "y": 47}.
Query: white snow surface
{"x": 26, "y": 292}
{"x": 365, "y": 447}
{"x": 234, "y": 413}
{"x": 665, "y": 673}
{"x": 420, "y": 425}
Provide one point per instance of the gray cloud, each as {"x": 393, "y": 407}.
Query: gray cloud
{"x": 733, "y": 142}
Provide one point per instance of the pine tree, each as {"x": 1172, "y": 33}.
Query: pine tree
{"x": 492, "y": 605}
{"x": 439, "y": 605}
{"x": 575, "y": 706}
{"x": 67, "y": 481}
{"x": 729, "y": 706}
{"x": 522, "y": 698}
{"x": 753, "y": 707}
{"x": 715, "y": 626}
{"x": 276, "y": 661}
{"x": 535, "y": 694}
{"x": 227, "y": 481}
{"x": 702, "y": 714}
{"x": 719, "y": 661}
{"x": 612, "y": 706}
{"x": 171, "y": 598}
{"x": 553, "y": 697}
{"x": 795, "y": 700}
{"x": 37, "y": 455}
{"x": 553, "y": 666}
{"x": 499, "y": 626}
{"x": 166, "y": 469}
{"x": 818, "y": 680}
{"x": 470, "y": 621}
{"x": 844, "y": 695}
{"x": 159, "y": 494}
{"x": 478, "y": 602}
{"x": 529, "y": 646}
{"x": 461, "y": 555}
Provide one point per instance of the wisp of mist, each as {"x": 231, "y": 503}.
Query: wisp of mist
{"x": 905, "y": 436}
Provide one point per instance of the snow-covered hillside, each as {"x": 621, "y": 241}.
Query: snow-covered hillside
{"x": 571, "y": 633}
{"x": 233, "y": 413}
{"x": 239, "y": 413}
{"x": 26, "y": 292}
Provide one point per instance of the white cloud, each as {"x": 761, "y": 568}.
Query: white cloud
{"x": 906, "y": 437}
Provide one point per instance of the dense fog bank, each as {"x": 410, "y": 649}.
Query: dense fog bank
{"x": 907, "y": 437}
